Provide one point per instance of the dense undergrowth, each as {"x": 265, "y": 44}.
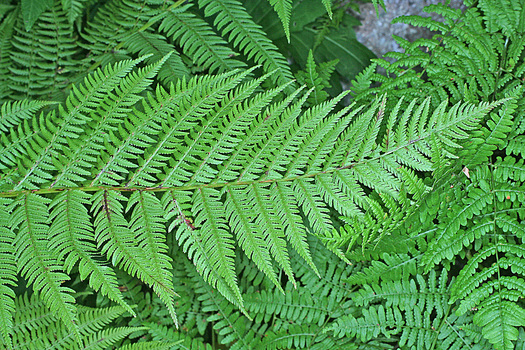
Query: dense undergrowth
{"x": 189, "y": 175}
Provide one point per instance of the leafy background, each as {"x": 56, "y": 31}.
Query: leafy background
{"x": 436, "y": 265}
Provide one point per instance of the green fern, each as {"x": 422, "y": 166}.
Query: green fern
{"x": 38, "y": 328}
{"x": 198, "y": 40}
{"x": 146, "y": 171}
{"x": 316, "y": 78}
{"x": 317, "y": 147}
{"x": 233, "y": 20}
{"x": 491, "y": 203}
{"x": 418, "y": 314}
{"x": 42, "y": 59}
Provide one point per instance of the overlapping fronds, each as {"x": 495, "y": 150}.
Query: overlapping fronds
{"x": 414, "y": 311}
{"x": 488, "y": 207}
{"x": 39, "y": 328}
{"x": 144, "y": 168}
{"x": 228, "y": 164}
{"x": 198, "y": 40}
{"x": 235, "y": 23}
{"x": 42, "y": 58}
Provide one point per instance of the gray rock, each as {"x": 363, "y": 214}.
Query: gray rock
{"x": 376, "y": 30}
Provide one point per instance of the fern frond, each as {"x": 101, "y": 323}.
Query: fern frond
{"x": 79, "y": 104}
{"x": 216, "y": 239}
{"x": 488, "y": 208}
{"x": 36, "y": 262}
{"x": 299, "y": 170}
{"x": 316, "y": 78}
{"x": 110, "y": 112}
{"x": 415, "y": 313}
{"x": 240, "y": 213}
{"x": 198, "y": 40}
{"x": 392, "y": 267}
{"x": 230, "y": 162}
{"x": 12, "y": 113}
{"x": 42, "y": 57}
{"x": 497, "y": 19}
{"x": 6, "y": 33}
{"x": 287, "y": 211}
{"x": 8, "y": 276}
{"x": 143, "y": 43}
{"x": 283, "y": 8}
{"x": 477, "y": 198}
{"x": 237, "y": 331}
{"x": 73, "y": 9}
{"x": 39, "y": 329}
{"x": 298, "y": 336}
{"x": 170, "y": 338}
{"x": 234, "y": 22}
{"x": 113, "y": 26}
{"x": 328, "y": 6}
{"x": 147, "y": 222}
{"x": 115, "y": 238}
{"x": 206, "y": 93}
{"x": 72, "y": 239}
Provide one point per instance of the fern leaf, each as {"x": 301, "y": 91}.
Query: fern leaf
{"x": 71, "y": 238}
{"x": 265, "y": 135}
{"x": 37, "y": 327}
{"x": 168, "y": 337}
{"x": 111, "y": 111}
{"x": 487, "y": 205}
{"x": 209, "y": 92}
{"x": 316, "y": 211}
{"x": 6, "y": 33}
{"x": 176, "y": 203}
{"x": 414, "y": 311}
{"x": 31, "y": 11}
{"x": 198, "y": 40}
{"x": 79, "y": 103}
{"x": 283, "y": 8}
{"x": 394, "y": 267}
{"x": 496, "y": 19}
{"x": 286, "y": 204}
{"x": 328, "y": 6}
{"x": 8, "y": 272}
{"x": 115, "y": 238}
{"x": 36, "y": 263}
{"x": 270, "y": 227}
{"x": 43, "y": 56}
{"x": 147, "y": 221}
{"x": 316, "y": 78}
{"x": 300, "y": 336}
{"x": 499, "y": 320}
{"x": 239, "y": 213}
{"x": 215, "y": 237}
{"x": 11, "y": 113}
{"x": 212, "y": 151}
{"x": 18, "y": 141}
{"x": 237, "y": 331}
{"x": 108, "y": 337}
{"x": 307, "y": 138}
{"x": 234, "y": 21}
{"x": 73, "y": 9}
{"x": 156, "y": 45}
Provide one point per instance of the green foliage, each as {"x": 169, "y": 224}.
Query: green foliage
{"x": 312, "y": 29}
{"x": 471, "y": 222}
{"x": 163, "y": 160}
{"x": 31, "y": 10}
{"x": 38, "y": 328}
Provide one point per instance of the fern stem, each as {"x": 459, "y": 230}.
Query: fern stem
{"x": 49, "y": 190}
